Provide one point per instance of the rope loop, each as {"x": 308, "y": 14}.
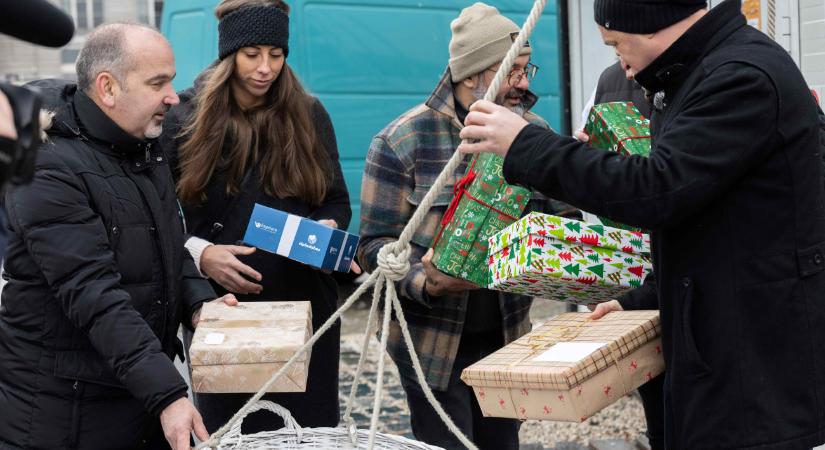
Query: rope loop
{"x": 394, "y": 261}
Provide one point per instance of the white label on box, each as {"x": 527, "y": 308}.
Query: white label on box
{"x": 288, "y": 236}
{"x": 214, "y": 339}
{"x": 569, "y": 351}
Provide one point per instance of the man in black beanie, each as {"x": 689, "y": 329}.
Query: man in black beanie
{"x": 732, "y": 193}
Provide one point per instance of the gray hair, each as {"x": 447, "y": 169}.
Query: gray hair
{"x": 105, "y": 50}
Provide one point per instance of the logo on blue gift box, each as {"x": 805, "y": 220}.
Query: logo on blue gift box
{"x": 311, "y": 241}
{"x": 265, "y": 227}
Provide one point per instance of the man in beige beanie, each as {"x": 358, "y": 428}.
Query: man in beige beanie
{"x": 453, "y": 322}
{"x": 481, "y": 38}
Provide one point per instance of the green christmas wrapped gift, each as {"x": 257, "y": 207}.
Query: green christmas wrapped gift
{"x": 568, "y": 260}
{"x": 483, "y": 205}
{"x": 618, "y": 127}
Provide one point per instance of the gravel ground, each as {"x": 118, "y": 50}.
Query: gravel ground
{"x": 623, "y": 420}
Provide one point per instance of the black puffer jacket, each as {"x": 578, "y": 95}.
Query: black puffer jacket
{"x": 732, "y": 192}
{"x": 98, "y": 281}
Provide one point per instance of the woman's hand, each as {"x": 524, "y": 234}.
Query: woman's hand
{"x": 329, "y": 222}
{"x": 219, "y": 262}
{"x": 229, "y": 299}
{"x": 333, "y": 224}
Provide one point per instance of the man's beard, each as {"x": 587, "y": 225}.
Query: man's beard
{"x": 481, "y": 89}
{"x": 154, "y": 131}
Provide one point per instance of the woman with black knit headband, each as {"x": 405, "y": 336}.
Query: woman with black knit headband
{"x": 248, "y": 133}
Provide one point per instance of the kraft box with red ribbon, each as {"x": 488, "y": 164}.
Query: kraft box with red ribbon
{"x": 618, "y": 127}
{"x": 483, "y": 205}
{"x": 570, "y": 367}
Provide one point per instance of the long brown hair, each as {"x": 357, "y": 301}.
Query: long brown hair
{"x": 278, "y": 137}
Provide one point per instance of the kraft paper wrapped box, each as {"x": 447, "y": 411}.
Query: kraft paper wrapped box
{"x": 237, "y": 349}
{"x": 567, "y": 260}
{"x": 483, "y": 205}
{"x": 570, "y": 367}
{"x": 621, "y": 128}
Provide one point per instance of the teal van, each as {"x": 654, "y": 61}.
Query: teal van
{"x": 368, "y": 60}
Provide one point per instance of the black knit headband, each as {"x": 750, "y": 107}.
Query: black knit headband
{"x": 253, "y": 25}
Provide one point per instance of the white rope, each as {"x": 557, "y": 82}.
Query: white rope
{"x": 393, "y": 265}
{"x": 379, "y": 383}
{"x": 368, "y": 332}
{"x": 771, "y": 19}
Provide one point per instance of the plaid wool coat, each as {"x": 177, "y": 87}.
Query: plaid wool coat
{"x": 404, "y": 160}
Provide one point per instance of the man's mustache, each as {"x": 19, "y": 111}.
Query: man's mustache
{"x": 515, "y": 94}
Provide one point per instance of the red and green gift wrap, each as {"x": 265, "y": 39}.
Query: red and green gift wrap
{"x": 621, "y": 128}
{"x": 567, "y": 260}
{"x": 483, "y": 205}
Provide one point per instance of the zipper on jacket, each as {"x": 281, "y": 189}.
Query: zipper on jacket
{"x": 74, "y": 423}
{"x": 115, "y": 237}
{"x": 153, "y": 231}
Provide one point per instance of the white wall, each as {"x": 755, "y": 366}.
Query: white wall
{"x": 812, "y": 43}
{"x": 588, "y": 56}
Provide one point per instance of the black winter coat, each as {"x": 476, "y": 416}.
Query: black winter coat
{"x": 733, "y": 194}
{"x": 98, "y": 279}
{"x": 283, "y": 279}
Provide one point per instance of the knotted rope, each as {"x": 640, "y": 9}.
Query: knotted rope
{"x": 393, "y": 265}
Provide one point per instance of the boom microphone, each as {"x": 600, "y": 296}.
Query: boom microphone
{"x": 36, "y": 21}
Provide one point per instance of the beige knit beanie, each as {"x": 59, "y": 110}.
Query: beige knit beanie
{"x": 481, "y": 38}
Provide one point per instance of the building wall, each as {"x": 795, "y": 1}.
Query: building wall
{"x": 812, "y": 43}
{"x": 20, "y": 61}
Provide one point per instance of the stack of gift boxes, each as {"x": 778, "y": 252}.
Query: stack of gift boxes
{"x": 570, "y": 367}
{"x": 482, "y": 239}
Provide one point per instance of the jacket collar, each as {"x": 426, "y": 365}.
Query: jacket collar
{"x": 443, "y": 99}
{"x": 99, "y": 127}
{"x": 669, "y": 70}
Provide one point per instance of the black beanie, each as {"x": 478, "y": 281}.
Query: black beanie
{"x": 253, "y": 25}
{"x": 643, "y": 16}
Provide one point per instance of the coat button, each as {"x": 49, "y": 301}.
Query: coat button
{"x": 817, "y": 259}
{"x": 686, "y": 282}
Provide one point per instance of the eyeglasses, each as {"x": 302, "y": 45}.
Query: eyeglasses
{"x": 515, "y": 76}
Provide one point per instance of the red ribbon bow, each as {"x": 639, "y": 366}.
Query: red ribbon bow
{"x": 459, "y": 190}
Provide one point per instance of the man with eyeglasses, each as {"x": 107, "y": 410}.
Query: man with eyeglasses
{"x": 453, "y": 322}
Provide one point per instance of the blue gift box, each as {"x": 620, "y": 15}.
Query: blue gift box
{"x": 300, "y": 239}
